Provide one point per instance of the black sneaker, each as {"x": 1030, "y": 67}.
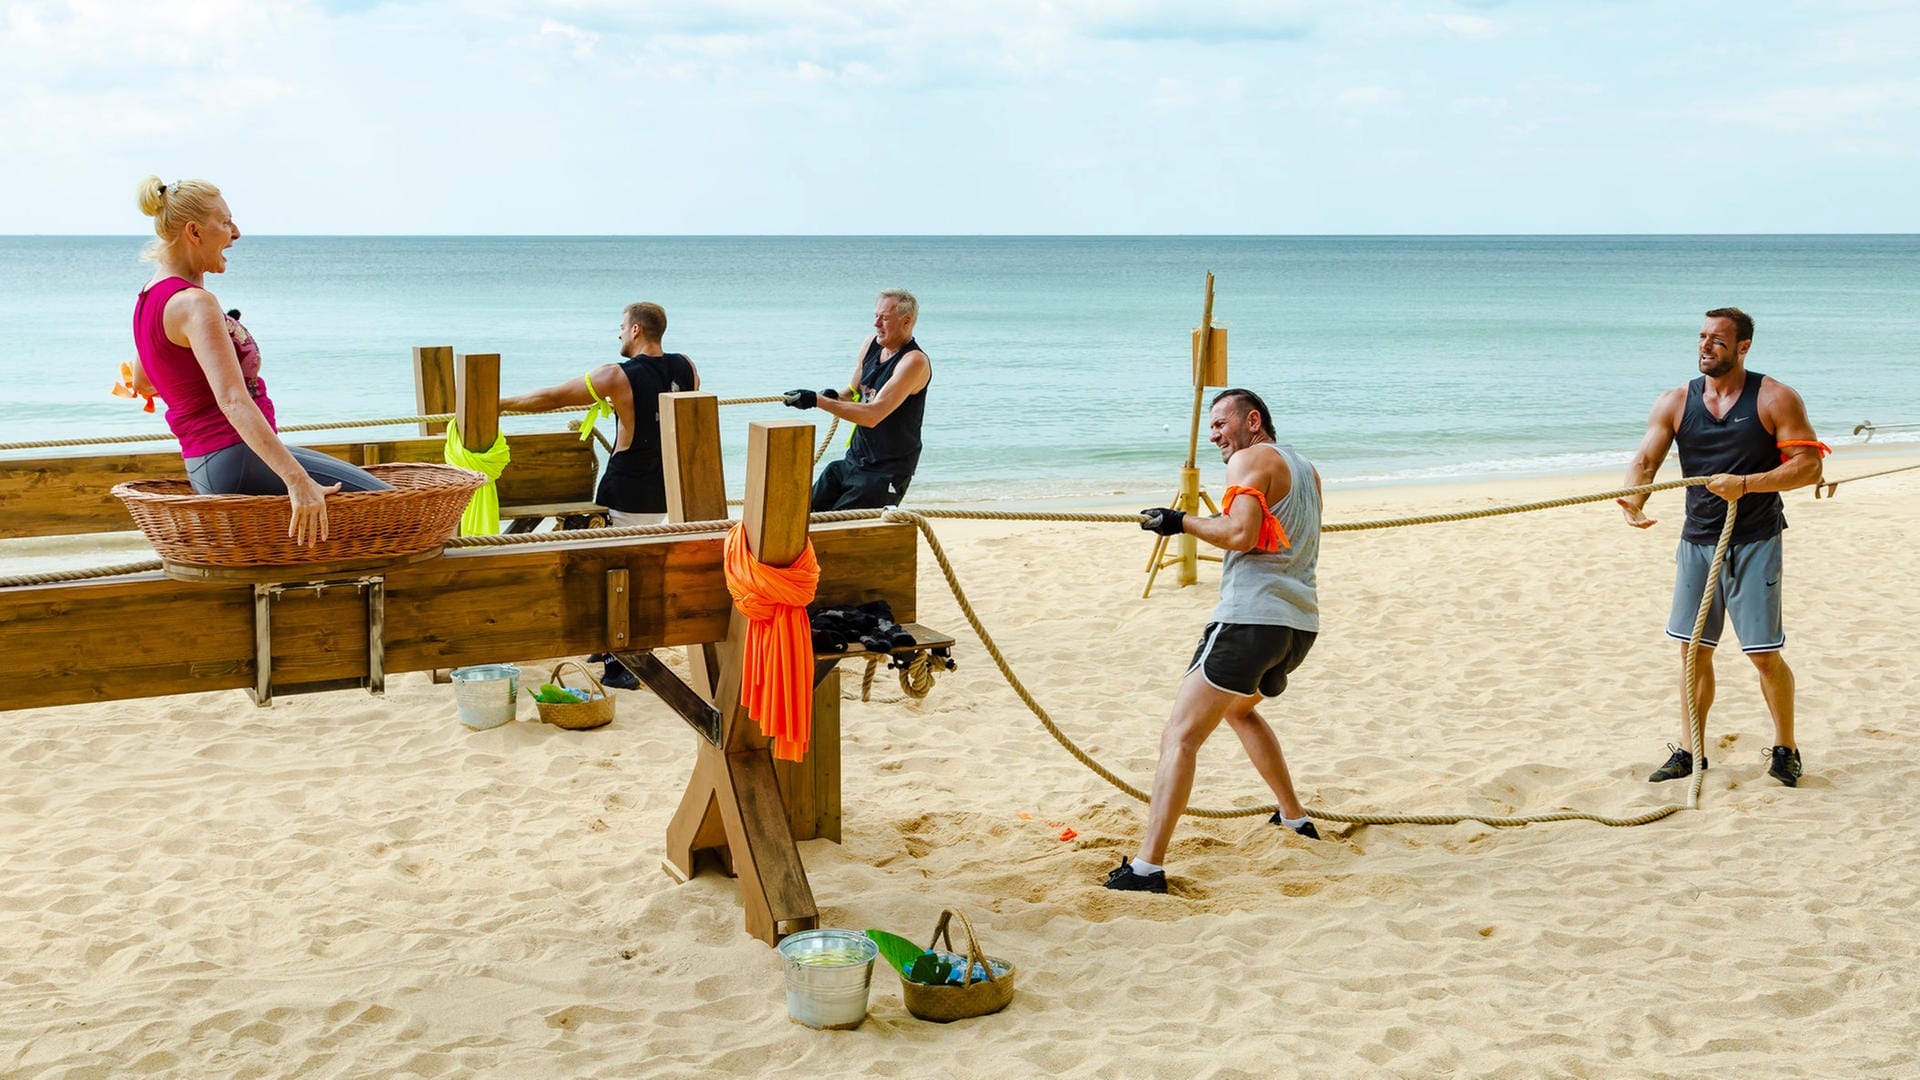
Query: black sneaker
{"x": 1124, "y": 879}
{"x": 1677, "y": 766}
{"x": 617, "y": 676}
{"x": 1306, "y": 828}
{"x": 1784, "y": 765}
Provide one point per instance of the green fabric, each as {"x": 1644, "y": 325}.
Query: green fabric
{"x": 482, "y": 516}
{"x": 600, "y": 407}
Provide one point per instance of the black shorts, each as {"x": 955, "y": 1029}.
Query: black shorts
{"x": 843, "y": 487}
{"x": 1249, "y": 658}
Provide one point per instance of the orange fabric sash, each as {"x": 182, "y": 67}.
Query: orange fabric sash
{"x": 1272, "y": 536}
{"x": 777, "y": 676}
{"x": 1815, "y": 443}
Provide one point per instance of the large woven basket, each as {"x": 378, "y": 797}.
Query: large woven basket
{"x": 944, "y": 1004}
{"x": 596, "y": 711}
{"x": 420, "y": 514}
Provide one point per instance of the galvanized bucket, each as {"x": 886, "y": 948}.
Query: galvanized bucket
{"x": 828, "y": 975}
{"x": 488, "y": 694}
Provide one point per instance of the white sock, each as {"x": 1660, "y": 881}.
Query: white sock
{"x": 1294, "y": 823}
{"x": 1144, "y": 868}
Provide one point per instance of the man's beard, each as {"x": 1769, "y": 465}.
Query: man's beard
{"x": 1718, "y": 369}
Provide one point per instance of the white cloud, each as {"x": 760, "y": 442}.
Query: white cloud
{"x": 580, "y": 42}
{"x": 1472, "y": 27}
{"x": 1367, "y": 97}
{"x": 1822, "y": 109}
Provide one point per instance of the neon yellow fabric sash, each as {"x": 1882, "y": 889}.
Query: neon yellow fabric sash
{"x": 600, "y": 407}
{"x": 482, "y": 516}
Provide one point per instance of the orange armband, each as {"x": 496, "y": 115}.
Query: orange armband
{"x": 1815, "y": 443}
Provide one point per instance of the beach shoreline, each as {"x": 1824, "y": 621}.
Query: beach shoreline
{"x": 344, "y": 885}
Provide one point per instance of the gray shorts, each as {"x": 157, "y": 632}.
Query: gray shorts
{"x": 1749, "y": 587}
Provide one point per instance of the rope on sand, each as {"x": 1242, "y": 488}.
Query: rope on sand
{"x": 918, "y": 518}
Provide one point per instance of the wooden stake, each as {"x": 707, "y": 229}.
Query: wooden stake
{"x": 433, "y": 384}
{"x": 478, "y": 408}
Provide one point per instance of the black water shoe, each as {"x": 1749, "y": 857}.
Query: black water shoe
{"x": 1784, "y": 765}
{"x": 1124, "y": 879}
{"x": 1306, "y": 828}
{"x": 617, "y": 676}
{"x": 1677, "y": 766}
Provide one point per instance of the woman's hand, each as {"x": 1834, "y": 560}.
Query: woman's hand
{"x": 309, "y": 523}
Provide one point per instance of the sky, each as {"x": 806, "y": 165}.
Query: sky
{"x": 366, "y": 117}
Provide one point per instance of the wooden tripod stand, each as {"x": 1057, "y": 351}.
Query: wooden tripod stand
{"x": 1209, "y": 369}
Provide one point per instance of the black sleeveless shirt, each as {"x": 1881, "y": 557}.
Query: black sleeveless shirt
{"x": 891, "y": 446}
{"x": 636, "y": 481}
{"x": 1734, "y": 443}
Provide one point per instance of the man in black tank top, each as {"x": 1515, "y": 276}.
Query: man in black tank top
{"x": 887, "y": 400}
{"x": 633, "y": 485}
{"x": 1750, "y": 433}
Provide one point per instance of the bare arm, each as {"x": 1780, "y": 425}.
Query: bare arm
{"x": 1662, "y": 424}
{"x": 908, "y": 379}
{"x": 1782, "y": 411}
{"x": 1239, "y": 528}
{"x": 195, "y": 315}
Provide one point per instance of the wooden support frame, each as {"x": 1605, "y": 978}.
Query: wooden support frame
{"x": 733, "y": 800}
{"x": 1206, "y": 366}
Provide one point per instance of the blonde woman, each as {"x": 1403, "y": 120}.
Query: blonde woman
{"x": 207, "y": 367}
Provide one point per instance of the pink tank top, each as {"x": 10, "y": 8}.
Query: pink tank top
{"x": 193, "y": 414}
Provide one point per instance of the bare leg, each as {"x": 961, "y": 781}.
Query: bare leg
{"x": 1702, "y": 692}
{"x": 1776, "y": 685}
{"x": 1197, "y": 710}
{"x": 1263, "y": 748}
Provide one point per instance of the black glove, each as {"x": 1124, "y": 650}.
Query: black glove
{"x": 801, "y": 399}
{"x": 1164, "y": 521}
{"x": 830, "y": 393}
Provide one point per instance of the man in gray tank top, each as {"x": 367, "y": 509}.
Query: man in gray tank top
{"x": 1750, "y": 433}
{"x": 1267, "y": 618}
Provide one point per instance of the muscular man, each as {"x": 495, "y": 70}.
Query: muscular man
{"x": 1750, "y": 433}
{"x": 633, "y": 486}
{"x": 887, "y": 400}
{"x": 1268, "y": 616}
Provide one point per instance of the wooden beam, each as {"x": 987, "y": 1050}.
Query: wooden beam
{"x": 433, "y": 384}
{"x": 471, "y": 606}
{"x": 478, "y": 409}
{"x": 735, "y": 782}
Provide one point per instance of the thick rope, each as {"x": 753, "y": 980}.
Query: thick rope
{"x": 973, "y": 619}
{"x": 336, "y": 425}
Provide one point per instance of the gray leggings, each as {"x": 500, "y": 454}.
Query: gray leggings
{"x": 237, "y": 470}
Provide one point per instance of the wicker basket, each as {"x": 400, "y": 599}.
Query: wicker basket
{"x": 944, "y": 1004}
{"x": 596, "y": 711}
{"x": 420, "y": 514}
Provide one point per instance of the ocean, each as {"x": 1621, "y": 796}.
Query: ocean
{"x": 1061, "y": 364}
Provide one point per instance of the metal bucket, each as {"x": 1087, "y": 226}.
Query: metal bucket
{"x": 828, "y": 975}
{"x": 488, "y": 694}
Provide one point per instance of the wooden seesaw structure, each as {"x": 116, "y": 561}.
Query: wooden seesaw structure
{"x": 624, "y": 595}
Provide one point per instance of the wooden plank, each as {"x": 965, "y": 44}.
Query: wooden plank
{"x": 478, "y": 408}
{"x": 474, "y": 605}
{"x": 619, "y": 625}
{"x": 71, "y": 494}
{"x": 677, "y": 695}
{"x": 433, "y": 384}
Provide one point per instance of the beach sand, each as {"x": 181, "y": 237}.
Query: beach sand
{"x": 345, "y": 886}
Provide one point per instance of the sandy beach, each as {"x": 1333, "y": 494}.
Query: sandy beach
{"x": 349, "y": 886}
